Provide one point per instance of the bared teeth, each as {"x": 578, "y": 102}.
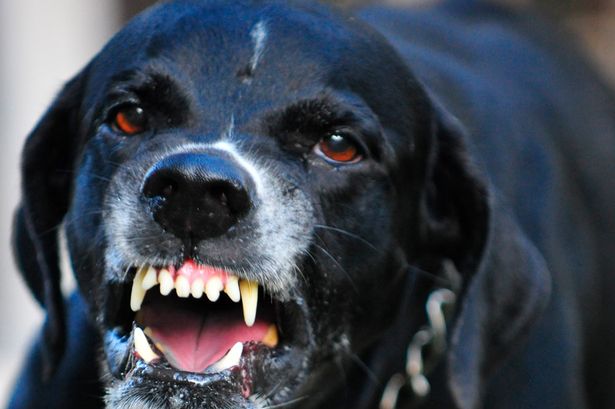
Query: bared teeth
{"x": 182, "y": 287}
{"x": 142, "y": 346}
{"x": 166, "y": 282}
{"x": 213, "y": 288}
{"x": 237, "y": 290}
{"x": 231, "y": 359}
{"x": 249, "y": 298}
{"x": 137, "y": 295}
{"x": 197, "y": 288}
{"x": 232, "y": 288}
{"x": 150, "y": 279}
{"x": 271, "y": 338}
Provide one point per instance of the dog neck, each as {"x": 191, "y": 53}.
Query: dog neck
{"x": 406, "y": 368}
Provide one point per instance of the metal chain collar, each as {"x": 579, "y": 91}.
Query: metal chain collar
{"x": 429, "y": 340}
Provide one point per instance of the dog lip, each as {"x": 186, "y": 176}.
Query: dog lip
{"x": 240, "y": 378}
{"x": 179, "y": 377}
{"x": 250, "y": 375}
{"x": 116, "y": 352}
{"x": 142, "y": 372}
{"x": 260, "y": 367}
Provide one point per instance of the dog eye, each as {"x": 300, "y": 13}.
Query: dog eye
{"x": 339, "y": 148}
{"x": 130, "y": 120}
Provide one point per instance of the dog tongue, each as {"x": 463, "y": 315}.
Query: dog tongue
{"x": 191, "y": 341}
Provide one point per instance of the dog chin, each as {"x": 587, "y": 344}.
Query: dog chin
{"x": 117, "y": 400}
{"x": 143, "y": 393}
{"x": 152, "y": 395}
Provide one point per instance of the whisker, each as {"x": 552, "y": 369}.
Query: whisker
{"x": 58, "y": 226}
{"x": 370, "y": 374}
{"x": 349, "y": 234}
{"x": 134, "y": 239}
{"x": 75, "y": 218}
{"x": 287, "y": 403}
{"x": 350, "y": 279}
{"x": 436, "y": 278}
{"x": 297, "y": 269}
{"x": 95, "y": 176}
{"x": 273, "y": 390}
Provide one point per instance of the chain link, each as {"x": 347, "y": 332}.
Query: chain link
{"x": 433, "y": 337}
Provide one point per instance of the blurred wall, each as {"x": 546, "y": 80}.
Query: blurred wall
{"x": 42, "y": 44}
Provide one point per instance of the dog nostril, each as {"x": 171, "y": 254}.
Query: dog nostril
{"x": 218, "y": 193}
{"x": 159, "y": 186}
{"x": 168, "y": 190}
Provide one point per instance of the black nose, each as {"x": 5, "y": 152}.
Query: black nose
{"x": 197, "y": 196}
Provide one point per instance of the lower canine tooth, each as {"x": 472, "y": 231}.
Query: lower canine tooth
{"x": 166, "y": 282}
{"x": 249, "y": 299}
{"x": 142, "y": 346}
{"x": 138, "y": 293}
{"x": 182, "y": 286}
{"x": 231, "y": 359}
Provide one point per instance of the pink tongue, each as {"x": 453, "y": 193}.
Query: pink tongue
{"x": 191, "y": 342}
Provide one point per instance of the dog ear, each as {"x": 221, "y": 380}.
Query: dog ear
{"x": 505, "y": 280}
{"x": 47, "y": 160}
{"x": 504, "y": 299}
{"x": 454, "y": 208}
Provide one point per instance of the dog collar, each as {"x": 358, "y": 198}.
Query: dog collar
{"x": 427, "y": 346}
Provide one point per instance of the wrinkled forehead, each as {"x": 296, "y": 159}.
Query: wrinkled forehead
{"x": 245, "y": 55}
{"x": 275, "y": 47}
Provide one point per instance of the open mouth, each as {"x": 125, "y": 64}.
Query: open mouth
{"x": 200, "y": 324}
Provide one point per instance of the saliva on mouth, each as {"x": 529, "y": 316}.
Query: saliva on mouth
{"x": 198, "y": 324}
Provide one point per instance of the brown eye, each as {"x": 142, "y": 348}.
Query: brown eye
{"x": 339, "y": 148}
{"x": 130, "y": 120}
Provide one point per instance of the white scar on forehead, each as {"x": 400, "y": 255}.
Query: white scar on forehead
{"x": 231, "y": 128}
{"x": 259, "y": 36}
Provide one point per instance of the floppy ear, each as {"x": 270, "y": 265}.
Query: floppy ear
{"x": 47, "y": 161}
{"x": 505, "y": 281}
{"x": 504, "y": 299}
{"x": 454, "y": 205}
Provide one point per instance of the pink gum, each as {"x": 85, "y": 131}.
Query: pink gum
{"x": 192, "y": 271}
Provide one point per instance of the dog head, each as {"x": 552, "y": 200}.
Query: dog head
{"x": 247, "y": 190}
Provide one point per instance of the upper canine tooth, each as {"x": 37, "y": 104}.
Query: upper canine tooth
{"x": 150, "y": 279}
{"x": 142, "y": 346}
{"x": 138, "y": 293}
{"x": 182, "y": 286}
{"x": 232, "y": 288}
{"x": 249, "y": 298}
{"x": 231, "y": 359}
{"x": 166, "y": 282}
{"x": 213, "y": 288}
{"x": 197, "y": 288}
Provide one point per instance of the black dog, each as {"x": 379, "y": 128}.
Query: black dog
{"x": 442, "y": 239}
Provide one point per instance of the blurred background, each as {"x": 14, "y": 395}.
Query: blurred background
{"x": 44, "y": 43}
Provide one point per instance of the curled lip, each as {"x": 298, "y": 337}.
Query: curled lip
{"x": 260, "y": 366}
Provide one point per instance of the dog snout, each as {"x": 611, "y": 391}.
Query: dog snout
{"x": 197, "y": 196}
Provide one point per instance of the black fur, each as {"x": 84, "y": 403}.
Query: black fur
{"x": 494, "y": 155}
